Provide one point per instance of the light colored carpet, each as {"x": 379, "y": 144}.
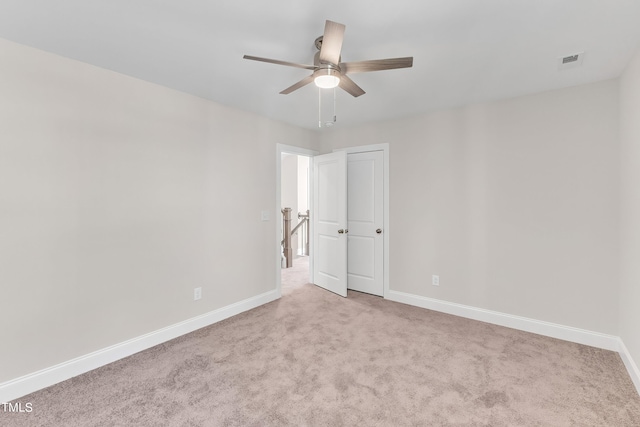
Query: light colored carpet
{"x": 315, "y": 359}
{"x": 296, "y": 275}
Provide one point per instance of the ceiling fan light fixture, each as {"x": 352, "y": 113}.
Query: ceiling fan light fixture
{"x": 326, "y": 78}
{"x": 328, "y": 69}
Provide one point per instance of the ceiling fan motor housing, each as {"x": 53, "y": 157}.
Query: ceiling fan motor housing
{"x": 318, "y": 63}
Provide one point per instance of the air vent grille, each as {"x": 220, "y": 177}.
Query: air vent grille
{"x": 570, "y": 61}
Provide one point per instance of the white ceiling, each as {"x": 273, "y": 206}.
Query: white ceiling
{"x": 465, "y": 51}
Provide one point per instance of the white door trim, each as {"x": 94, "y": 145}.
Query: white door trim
{"x": 289, "y": 149}
{"x": 384, "y": 147}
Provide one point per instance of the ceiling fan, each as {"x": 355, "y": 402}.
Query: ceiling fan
{"x": 328, "y": 71}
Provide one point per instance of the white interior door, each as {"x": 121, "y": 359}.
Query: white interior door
{"x": 365, "y": 222}
{"x": 329, "y": 216}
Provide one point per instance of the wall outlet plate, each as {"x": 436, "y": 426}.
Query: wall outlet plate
{"x": 435, "y": 280}
{"x": 197, "y": 294}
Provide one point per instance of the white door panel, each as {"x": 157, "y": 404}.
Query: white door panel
{"x": 361, "y": 250}
{"x": 330, "y": 205}
{"x": 361, "y": 181}
{"x": 328, "y": 200}
{"x": 365, "y": 216}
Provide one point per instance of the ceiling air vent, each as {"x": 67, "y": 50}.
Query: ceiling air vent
{"x": 570, "y": 61}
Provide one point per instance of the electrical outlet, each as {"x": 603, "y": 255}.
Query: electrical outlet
{"x": 197, "y": 294}
{"x": 435, "y": 280}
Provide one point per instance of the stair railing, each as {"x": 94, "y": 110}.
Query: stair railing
{"x": 287, "y": 232}
{"x": 305, "y": 235}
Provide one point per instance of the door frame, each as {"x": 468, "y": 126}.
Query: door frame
{"x": 290, "y": 149}
{"x": 384, "y": 147}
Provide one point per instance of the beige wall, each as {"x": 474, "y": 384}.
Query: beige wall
{"x": 303, "y": 183}
{"x": 289, "y": 191}
{"x": 630, "y": 211}
{"x": 303, "y": 198}
{"x": 117, "y": 198}
{"x": 513, "y": 203}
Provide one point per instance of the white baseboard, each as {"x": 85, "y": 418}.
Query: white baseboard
{"x": 632, "y": 368}
{"x": 24, "y": 385}
{"x": 554, "y": 330}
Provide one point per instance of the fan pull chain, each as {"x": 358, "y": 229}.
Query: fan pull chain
{"x": 334, "y": 108}
{"x": 333, "y": 117}
{"x": 319, "y": 107}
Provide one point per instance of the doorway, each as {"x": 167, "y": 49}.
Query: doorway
{"x": 361, "y": 275}
{"x": 292, "y": 192}
{"x": 295, "y": 208}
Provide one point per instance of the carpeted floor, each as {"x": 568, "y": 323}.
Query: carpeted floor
{"x": 296, "y": 275}
{"x": 313, "y": 358}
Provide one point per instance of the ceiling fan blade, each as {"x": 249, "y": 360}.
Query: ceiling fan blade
{"x": 350, "y": 86}
{"x": 376, "y": 65}
{"x": 332, "y": 42}
{"x": 298, "y": 85}
{"x": 275, "y": 61}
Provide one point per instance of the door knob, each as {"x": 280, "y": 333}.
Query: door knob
{"x": 340, "y": 231}
{"x": 379, "y": 230}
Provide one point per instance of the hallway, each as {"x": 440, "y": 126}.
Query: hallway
{"x": 295, "y": 276}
